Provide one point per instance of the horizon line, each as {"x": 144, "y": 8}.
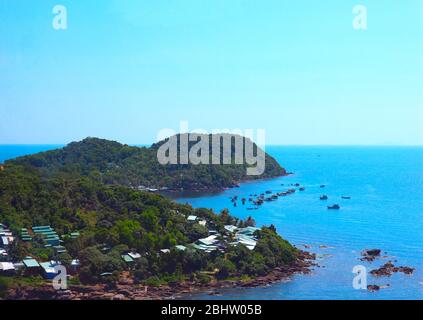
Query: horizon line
{"x": 267, "y": 145}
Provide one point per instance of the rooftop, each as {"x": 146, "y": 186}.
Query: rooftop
{"x": 127, "y": 258}
{"x": 231, "y": 228}
{"x": 30, "y": 263}
{"x": 134, "y": 255}
{"x": 6, "y": 266}
{"x": 210, "y": 240}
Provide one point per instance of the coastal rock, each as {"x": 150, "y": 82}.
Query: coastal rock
{"x": 388, "y": 269}
{"x": 405, "y": 270}
{"x": 138, "y": 292}
{"x": 370, "y": 255}
{"x": 373, "y": 287}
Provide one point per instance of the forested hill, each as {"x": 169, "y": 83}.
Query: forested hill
{"x": 113, "y": 163}
{"x": 58, "y": 189}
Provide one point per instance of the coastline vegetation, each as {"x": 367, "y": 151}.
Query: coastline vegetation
{"x": 113, "y": 163}
{"x": 73, "y": 190}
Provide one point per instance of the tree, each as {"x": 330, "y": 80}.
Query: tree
{"x": 226, "y": 268}
{"x": 250, "y": 222}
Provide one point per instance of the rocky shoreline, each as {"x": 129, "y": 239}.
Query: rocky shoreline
{"x": 386, "y": 270}
{"x": 126, "y": 289}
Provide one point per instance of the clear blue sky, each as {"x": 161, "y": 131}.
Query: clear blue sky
{"x": 123, "y": 70}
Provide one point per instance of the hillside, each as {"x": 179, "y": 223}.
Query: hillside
{"x": 114, "y": 163}
{"x": 112, "y": 220}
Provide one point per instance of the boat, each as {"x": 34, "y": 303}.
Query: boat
{"x": 334, "y": 207}
{"x": 301, "y": 189}
{"x": 346, "y": 197}
{"x": 324, "y": 197}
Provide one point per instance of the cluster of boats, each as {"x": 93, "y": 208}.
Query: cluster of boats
{"x": 258, "y": 199}
{"x": 334, "y": 206}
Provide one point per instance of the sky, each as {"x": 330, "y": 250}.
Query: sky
{"x": 124, "y": 70}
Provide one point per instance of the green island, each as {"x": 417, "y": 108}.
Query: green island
{"x": 82, "y": 207}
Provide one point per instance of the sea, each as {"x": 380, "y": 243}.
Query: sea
{"x": 384, "y": 210}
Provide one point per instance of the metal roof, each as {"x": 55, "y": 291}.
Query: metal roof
{"x": 31, "y": 263}
{"x": 127, "y": 258}
{"x": 6, "y": 266}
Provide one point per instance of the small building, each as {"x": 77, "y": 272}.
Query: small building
{"x": 31, "y": 265}
{"x": 75, "y": 265}
{"x": 208, "y": 244}
{"x": 249, "y": 231}
{"x": 165, "y": 250}
{"x": 192, "y": 218}
{"x": 7, "y": 268}
{"x": 134, "y": 255}
{"x": 246, "y": 241}
{"x": 6, "y": 236}
{"x": 246, "y": 237}
{"x": 202, "y": 223}
{"x": 59, "y": 249}
{"x": 49, "y": 271}
{"x": 75, "y": 235}
{"x": 4, "y": 241}
{"x": 231, "y": 228}
{"x": 25, "y": 236}
{"x": 127, "y": 258}
{"x": 49, "y": 235}
{"x": 210, "y": 240}
{"x": 19, "y": 266}
{"x": 180, "y": 247}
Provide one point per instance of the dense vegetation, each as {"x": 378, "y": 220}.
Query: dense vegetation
{"x": 66, "y": 189}
{"x": 113, "y": 163}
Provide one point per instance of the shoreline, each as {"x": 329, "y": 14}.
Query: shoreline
{"x": 201, "y": 192}
{"x": 126, "y": 289}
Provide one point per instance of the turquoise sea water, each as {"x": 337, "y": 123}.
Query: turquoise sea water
{"x": 13, "y": 151}
{"x": 385, "y": 211}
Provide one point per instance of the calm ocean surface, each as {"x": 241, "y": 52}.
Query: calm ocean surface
{"x": 385, "y": 211}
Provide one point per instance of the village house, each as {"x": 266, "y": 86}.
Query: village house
{"x": 6, "y": 236}
{"x": 207, "y": 244}
{"x": 32, "y": 266}
{"x": 48, "y": 268}
{"x": 192, "y": 218}
{"x": 7, "y": 268}
{"x": 48, "y": 234}
{"x": 231, "y": 228}
{"x": 127, "y": 258}
{"x": 246, "y": 237}
{"x": 3, "y": 254}
{"x": 75, "y": 265}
